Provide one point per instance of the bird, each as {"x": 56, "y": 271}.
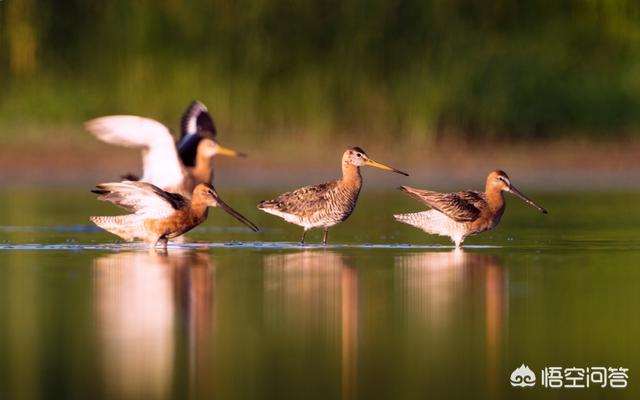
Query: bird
{"x": 174, "y": 168}
{"x": 157, "y": 215}
{"x": 326, "y": 204}
{"x": 466, "y": 213}
{"x": 198, "y": 129}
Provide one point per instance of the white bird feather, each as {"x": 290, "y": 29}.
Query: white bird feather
{"x": 160, "y": 162}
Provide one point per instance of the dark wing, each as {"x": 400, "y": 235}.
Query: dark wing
{"x": 460, "y": 206}
{"x": 195, "y": 125}
{"x": 130, "y": 177}
{"x": 306, "y": 200}
{"x": 140, "y": 198}
{"x": 196, "y": 119}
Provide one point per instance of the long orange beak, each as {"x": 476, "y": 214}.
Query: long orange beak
{"x": 376, "y": 164}
{"x": 229, "y": 152}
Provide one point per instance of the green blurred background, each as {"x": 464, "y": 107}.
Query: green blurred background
{"x": 414, "y": 68}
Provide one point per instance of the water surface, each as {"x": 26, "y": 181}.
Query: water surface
{"x": 384, "y": 311}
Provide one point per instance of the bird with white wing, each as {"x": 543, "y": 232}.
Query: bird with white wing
{"x": 172, "y": 167}
{"x": 156, "y": 215}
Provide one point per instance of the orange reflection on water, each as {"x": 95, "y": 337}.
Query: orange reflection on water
{"x": 315, "y": 294}
{"x": 438, "y": 286}
{"x": 136, "y": 300}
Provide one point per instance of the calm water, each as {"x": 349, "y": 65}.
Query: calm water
{"x": 385, "y": 311}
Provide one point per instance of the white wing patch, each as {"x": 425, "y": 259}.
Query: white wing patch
{"x": 137, "y": 197}
{"x": 160, "y": 163}
{"x": 434, "y": 222}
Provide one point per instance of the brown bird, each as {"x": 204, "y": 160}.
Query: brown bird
{"x": 462, "y": 214}
{"x": 175, "y": 168}
{"x": 327, "y": 204}
{"x": 158, "y": 215}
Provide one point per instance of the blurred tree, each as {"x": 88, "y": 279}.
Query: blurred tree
{"x": 413, "y": 67}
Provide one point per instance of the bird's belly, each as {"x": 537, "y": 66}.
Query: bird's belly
{"x": 482, "y": 225}
{"x": 326, "y": 218}
{"x": 168, "y": 227}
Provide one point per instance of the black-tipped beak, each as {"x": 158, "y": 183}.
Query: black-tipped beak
{"x": 236, "y": 214}
{"x": 376, "y": 164}
{"x": 524, "y": 198}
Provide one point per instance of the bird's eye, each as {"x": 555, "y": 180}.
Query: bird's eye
{"x": 359, "y": 155}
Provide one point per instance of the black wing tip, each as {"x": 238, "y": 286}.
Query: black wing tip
{"x": 196, "y": 106}
{"x": 130, "y": 177}
{"x": 196, "y": 103}
{"x": 194, "y": 109}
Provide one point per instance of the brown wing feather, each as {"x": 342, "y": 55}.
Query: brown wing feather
{"x": 460, "y": 206}
{"x": 131, "y": 195}
{"x": 301, "y": 201}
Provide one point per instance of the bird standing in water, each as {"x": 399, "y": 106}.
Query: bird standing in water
{"x": 175, "y": 169}
{"x": 157, "y": 215}
{"x": 327, "y": 204}
{"x": 462, "y": 214}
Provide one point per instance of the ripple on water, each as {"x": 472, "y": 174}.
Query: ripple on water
{"x": 71, "y": 246}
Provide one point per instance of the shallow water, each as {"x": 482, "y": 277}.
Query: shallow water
{"x": 384, "y": 311}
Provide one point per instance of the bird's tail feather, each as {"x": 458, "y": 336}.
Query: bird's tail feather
{"x": 128, "y": 227}
{"x": 266, "y": 204}
{"x": 431, "y": 221}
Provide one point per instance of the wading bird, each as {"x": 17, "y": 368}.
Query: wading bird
{"x": 327, "y": 204}
{"x": 462, "y": 214}
{"x": 175, "y": 169}
{"x": 157, "y": 215}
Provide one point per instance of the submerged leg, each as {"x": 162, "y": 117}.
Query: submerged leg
{"x": 153, "y": 242}
{"x": 326, "y": 234}
{"x": 304, "y": 231}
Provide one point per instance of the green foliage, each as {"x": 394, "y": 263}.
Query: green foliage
{"x": 413, "y": 68}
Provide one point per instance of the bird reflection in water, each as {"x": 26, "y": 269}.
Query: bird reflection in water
{"x": 140, "y": 300}
{"x": 439, "y": 287}
{"x": 314, "y": 296}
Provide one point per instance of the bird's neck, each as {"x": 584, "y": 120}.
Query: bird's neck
{"x": 199, "y": 209}
{"x": 202, "y": 171}
{"x": 351, "y": 175}
{"x": 495, "y": 199}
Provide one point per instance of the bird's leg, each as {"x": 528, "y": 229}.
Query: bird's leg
{"x": 326, "y": 234}
{"x": 152, "y": 245}
{"x": 304, "y": 231}
{"x": 153, "y": 242}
